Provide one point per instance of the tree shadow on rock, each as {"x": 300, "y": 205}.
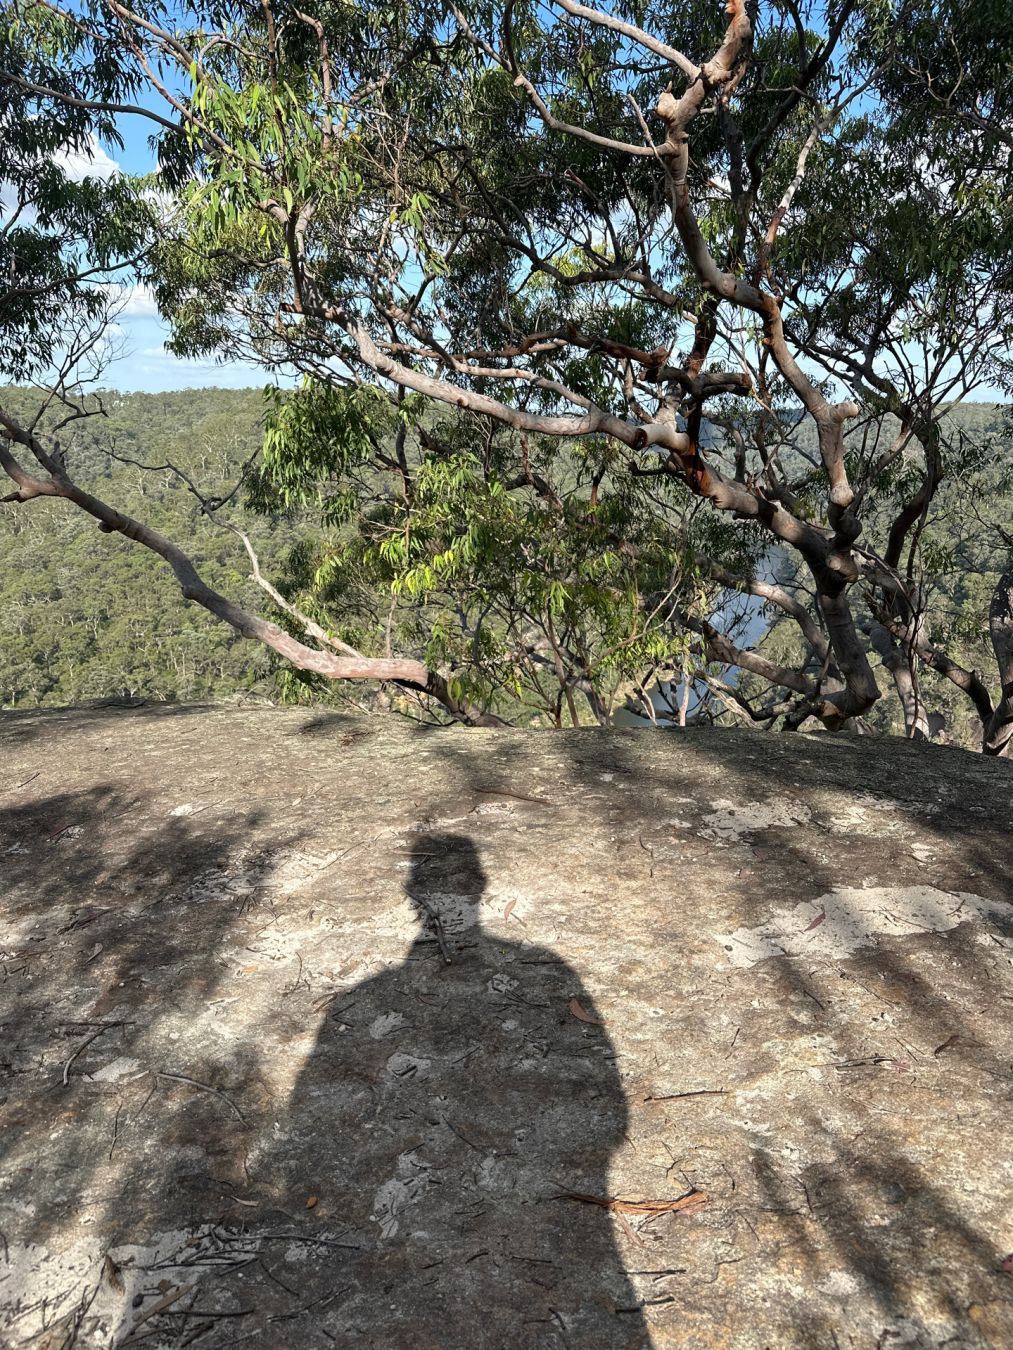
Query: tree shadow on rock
{"x": 113, "y": 940}
{"x": 876, "y": 1055}
{"x": 451, "y": 1112}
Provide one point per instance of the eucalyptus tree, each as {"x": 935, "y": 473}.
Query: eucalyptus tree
{"x": 684, "y": 286}
{"x": 66, "y": 233}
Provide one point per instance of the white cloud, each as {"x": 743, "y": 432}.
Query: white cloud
{"x": 160, "y": 201}
{"x": 132, "y": 302}
{"x": 165, "y": 371}
{"x": 90, "y": 162}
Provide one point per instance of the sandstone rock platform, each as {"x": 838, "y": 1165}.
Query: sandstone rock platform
{"x": 328, "y": 1031}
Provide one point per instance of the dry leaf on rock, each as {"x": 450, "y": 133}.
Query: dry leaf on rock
{"x": 583, "y": 1016}
{"x": 111, "y": 1271}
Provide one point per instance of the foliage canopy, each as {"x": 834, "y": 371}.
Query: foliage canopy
{"x": 592, "y": 309}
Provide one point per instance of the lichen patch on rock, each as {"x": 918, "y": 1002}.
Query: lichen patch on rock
{"x": 731, "y": 820}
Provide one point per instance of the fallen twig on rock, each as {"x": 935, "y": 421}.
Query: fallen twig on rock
{"x": 204, "y": 1087}
{"x": 692, "y": 1200}
{"x": 437, "y": 923}
{"x": 84, "y": 1046}
{"x": 696, "y": 1092}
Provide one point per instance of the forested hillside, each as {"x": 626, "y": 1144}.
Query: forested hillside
{"x": 85, "y": 615}
{"x": 956, "y": 560}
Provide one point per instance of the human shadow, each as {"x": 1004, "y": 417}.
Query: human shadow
{"x": 455, "y": 1116}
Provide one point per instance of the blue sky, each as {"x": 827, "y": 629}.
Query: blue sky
{"x": 146, "y": 366}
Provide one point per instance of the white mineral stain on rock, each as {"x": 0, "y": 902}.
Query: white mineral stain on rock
{"x": 850, "y": 819}
{"x": 40, "y": 1284}
{"x": 731, "y": 820}
{"x": 117, "y": 1069}
{"x": 293, "y": 870}
{"x": 398, "y": 1194}
{"x": 842, "y": 921}
{"x": 384, "y": 1024}
{"x": 490, "y": 1174}
{"x": 401, "y": 1066}
{"x": 865, "y": 812}
{"x": 839, "y": 1284}
{"x": 18, "y": 1206}
{"x": 15, "y": 935}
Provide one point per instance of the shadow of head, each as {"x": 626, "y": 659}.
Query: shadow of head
{"x": 446, "y": 879}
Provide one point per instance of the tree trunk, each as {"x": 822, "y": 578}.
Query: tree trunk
{"x": 899, "y": 664}
{"x": 999, "y": 728}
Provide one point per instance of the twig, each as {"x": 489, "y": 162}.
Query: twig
{"x": 463, "y": 1137}
{"x": 197, "y": 1333}
{"x": 206, "y": 1312}
{"x": 693, "y": 1199}
{"x": 699, "y": 1092}
{"x": 116, "y": 1130}
{"x": 84, "y": 1046}
{"x": 437, "y": 923}
{"x": 310, "y": 1241}
{"x": 271, "y": 1276}
{"x": 204, "y": 1087}
{"x": 517, "y": 796}
{"x": 320, "y": 1302}
{"x": 161, "y": 1305}
{"x": 147, "y": 1099}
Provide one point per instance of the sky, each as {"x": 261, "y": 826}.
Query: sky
{"x": 146, "y": 366}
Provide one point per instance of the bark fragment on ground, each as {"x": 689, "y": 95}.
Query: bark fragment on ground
{"x": 720, "y": 1056}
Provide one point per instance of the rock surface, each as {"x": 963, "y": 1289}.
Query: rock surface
{"x": 721, "y": 1055}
